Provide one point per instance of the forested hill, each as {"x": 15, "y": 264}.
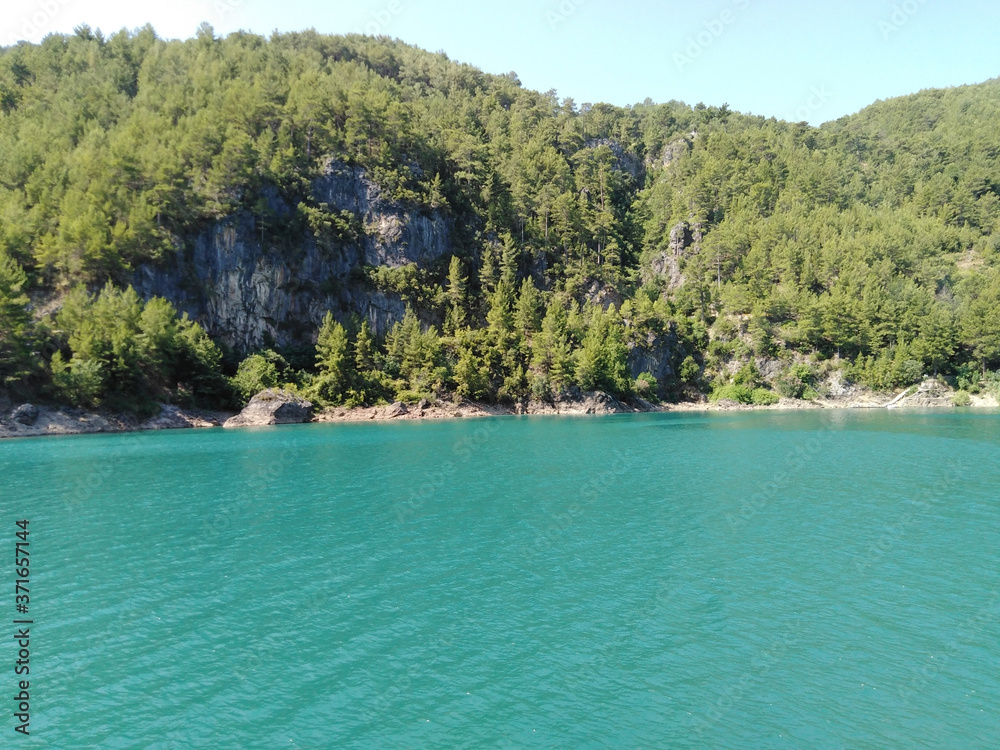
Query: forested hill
{"x": 654, "y": 250}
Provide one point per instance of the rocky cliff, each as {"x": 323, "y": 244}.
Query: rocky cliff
{"x": 250, "y": 289}
{"x": 245, "y": 287}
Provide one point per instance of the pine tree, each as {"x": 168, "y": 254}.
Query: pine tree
{"x": 364, "y": 349}
{"x": 527, "y": 315}
{"x": 455, "y": 317}
{"x": 15, "y": 323}
{"x": 551, "y": 351}
{"x": 332, "y": 361}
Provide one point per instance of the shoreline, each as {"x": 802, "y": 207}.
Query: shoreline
{"x": 473, "y": 410}
{"x": 52, "y": 421}
{"x": 55, "y": 420}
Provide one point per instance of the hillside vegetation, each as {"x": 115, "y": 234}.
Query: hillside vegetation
{"x": 765, "y": 253}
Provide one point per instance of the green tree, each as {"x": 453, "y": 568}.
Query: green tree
{"x": 257, "y": 373}
{"x": 602, "y": 361}
{"x": 456, "y": 316}
{"x": 981, "y": 322}
{"x": 418, "y": 355}
{"x": 527, "y": 314}
{"x": 333, "y": 362}
{"x": 937, "y": 340}
{"x": 15, "y": 323}
{"x": 551, "y": 348}
{"x": 472, "y": 372}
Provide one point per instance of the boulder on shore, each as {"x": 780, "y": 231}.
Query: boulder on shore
{"x": 600, "y": 402}
{"x": 398, "y": 409}
{"x": 272, "y": 407}
{"x": 26, "y": 414}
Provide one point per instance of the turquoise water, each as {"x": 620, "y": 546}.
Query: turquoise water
{"x": 682, "y": 580}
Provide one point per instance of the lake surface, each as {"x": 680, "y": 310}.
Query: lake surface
{"x": 807, "y": 579}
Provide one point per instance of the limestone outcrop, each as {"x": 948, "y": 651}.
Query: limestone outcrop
{"x": 273, "y": 407}
{"x": 247, "y": 287}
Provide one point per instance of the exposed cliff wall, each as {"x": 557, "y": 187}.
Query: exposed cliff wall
{"x": 656, "y": 355}
{"x": 243, "y": 288}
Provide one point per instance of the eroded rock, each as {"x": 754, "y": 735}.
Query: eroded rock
{"x": 25, "y": 414}
{"x": 397, "y": 409}
{"x": 273, "y": 407}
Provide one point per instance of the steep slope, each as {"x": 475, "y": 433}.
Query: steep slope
{"x": 257, "y": 184}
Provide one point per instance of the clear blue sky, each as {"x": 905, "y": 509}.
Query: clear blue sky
{"x": 791, "y": 59}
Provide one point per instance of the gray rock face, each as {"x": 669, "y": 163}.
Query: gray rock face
{"x": 674, "y": 151}
{"x": 272, "y": 407}
{"x": 685, "y": 241}
{"x": 397, "y": 409}
{"x": 235, "y": 281}
{"x": 624, "y": 161}
{"x": 680, "y": 238}
{"x": 25, "y": 414}
{"x": 395, "y": 235}
{"x": 174, "y": 418}
{"x": 603, "y": 295}
{"x": 655, "y": 356}
{"x": 600, "y": 402}
{"x": 930, "y": 394}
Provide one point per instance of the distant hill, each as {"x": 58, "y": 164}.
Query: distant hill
{"x": 468, "y": 235}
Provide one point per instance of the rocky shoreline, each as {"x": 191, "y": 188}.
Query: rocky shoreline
{"x": 275, "y": 407}
{"x": 28, "y": 420}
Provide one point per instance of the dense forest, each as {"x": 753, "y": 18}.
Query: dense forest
{"x": 768, "y": 254}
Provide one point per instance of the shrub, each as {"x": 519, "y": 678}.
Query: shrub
{"x": 646, "y": 386}
{"x": 798, "y": 382}
{"x": 961, "y": 398}
{"x": 799, "y": 379}
{"x": 541, "y": 390}
{"x": 969, "y": 378}
{"x": 764, "y": 397}
{"x": 887, "y": 371}
{"x": 911, "y": 371}
{"x": 748, "y": 376}
{"x": 259, "y": 372}
{"x": 413, "y": 397}
{"x": 79, "y": 381}
{"x": 991, "y": 383}
{"x": 742, "y": 394}
{"x": 689, "y": 370}
{"x": 790, "y": 387}
{"x": 738, "y": 393}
